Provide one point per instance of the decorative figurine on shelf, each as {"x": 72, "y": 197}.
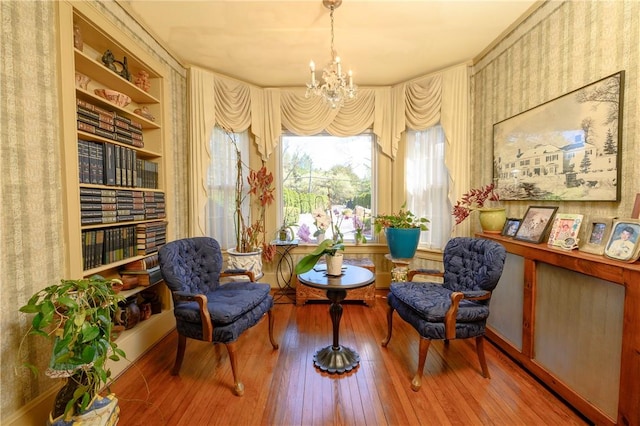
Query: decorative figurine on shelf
{"x": 142, "y": 80}
{"x": 124, "y": 73}
{"x": 77, "y": 37}
{"x": 109, "y": 60}
{"x": 144, "y": 112}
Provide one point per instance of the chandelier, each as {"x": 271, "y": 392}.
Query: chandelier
{"x": 335, "y": 86}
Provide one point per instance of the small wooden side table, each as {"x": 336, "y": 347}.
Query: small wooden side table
{"x": 367, "y": 294}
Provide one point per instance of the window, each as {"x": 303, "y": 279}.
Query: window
{"x": 221, "y": 183}
{"x": 328, "y": 175}
{"x": 427, "y": 184}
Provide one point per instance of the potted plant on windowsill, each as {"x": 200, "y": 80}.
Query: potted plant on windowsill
{"x": 77, "y": 316}
{"x": 485, "y": 200}
{"x": 334, "y": 256}
{"x": 252, "y": 246}
{"x": 402, "y": 230}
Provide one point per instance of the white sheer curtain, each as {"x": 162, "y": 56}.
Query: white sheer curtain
{"x": 427, "y": 178}
{"x": 221, "y": 181}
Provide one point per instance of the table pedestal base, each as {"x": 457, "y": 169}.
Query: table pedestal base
{"x": 336, "y": 360}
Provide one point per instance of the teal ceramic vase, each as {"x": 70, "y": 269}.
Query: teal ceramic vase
{"x": 402, "y": 242}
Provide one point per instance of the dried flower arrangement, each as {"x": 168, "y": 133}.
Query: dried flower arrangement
{"x": 473, "y": 200}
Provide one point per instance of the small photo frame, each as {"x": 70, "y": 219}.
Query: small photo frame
{"x": 511, "y": 227}
{"x": 535, "y": 224}
{"x": 624, "y": 241}
{"x": 565, "y": 229}
{"x": 598, "y": 231}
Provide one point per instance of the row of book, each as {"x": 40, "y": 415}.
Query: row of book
{"x": 114, "y": 165}
{"x": 104, "y": 246}
{"x": 108, "y": 124}
{"x": 104, "y": 206}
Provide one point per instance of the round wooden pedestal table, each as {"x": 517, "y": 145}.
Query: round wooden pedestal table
{"x": 337, "y": 358}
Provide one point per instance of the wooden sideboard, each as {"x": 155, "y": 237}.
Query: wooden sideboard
{"x": 573, "y": 320}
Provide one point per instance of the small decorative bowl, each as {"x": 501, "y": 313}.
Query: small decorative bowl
{"x": 117, "y": 98}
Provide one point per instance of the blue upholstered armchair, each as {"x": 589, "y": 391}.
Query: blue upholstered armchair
{"x": 456, "y": 309}
{"x": 204, "y": 308}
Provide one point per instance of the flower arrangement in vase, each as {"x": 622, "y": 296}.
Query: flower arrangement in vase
{"x": 327, "y": 247}
{"x": 485, "y": 200}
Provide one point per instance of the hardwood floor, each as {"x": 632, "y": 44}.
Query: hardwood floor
{"x": 283, "y": 387}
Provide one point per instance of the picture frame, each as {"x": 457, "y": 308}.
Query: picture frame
{"x": 635, "y": 213}
{"x": 535, "y": 223}
{"x": 566, "y": 149}
{"x": 511, "y": 227}
{"x": 624, "y": 241}
{"x": 565, "y": 230}
{"x": 597, "y": 235}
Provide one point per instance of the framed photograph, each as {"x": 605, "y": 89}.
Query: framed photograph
{"x": 535, "y": 224}
{"x": 564, "y": 230}
{"x": 567, "y": 149}
{"x": 511, "y": 227}
{"x": 598, "y": 231}
{"x": 624, "y": 241}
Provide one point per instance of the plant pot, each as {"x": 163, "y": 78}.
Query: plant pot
{"x": 334, "y": 264}
{"x": 492, "y": 220}
{"x": 101, "y": 411}
{"x": 402, "y": 242}
{"x": 251, "y": 261}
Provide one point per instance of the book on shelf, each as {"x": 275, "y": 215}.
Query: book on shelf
{"x": 143, "y": 264}
{"x": 146, "y": 277}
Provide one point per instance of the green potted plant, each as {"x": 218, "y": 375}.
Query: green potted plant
{"x": 486, "y": 200}
{"x": 333, "y": 250}
{"x": 252, "y": 246}
{"x": 402, "y": 230}
{"x": 77, "y": 316}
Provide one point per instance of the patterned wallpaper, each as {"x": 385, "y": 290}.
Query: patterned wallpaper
{"x": 561, "y": 47}
{"x": 31, "y": 244}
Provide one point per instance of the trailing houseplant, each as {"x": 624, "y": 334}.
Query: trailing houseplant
{"x": 77, "y": 316}
{"x": 251, "y": 234}
{"x": 402, "y": 230}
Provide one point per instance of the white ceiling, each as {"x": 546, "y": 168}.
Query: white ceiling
{"x": 270, "y": 43}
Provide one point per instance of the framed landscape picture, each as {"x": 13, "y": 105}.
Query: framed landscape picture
{"x": 535, "y": 224}
{"x": 597, "y": 235}
{"x": 567, "y": 149}
{"x": 624, "y": 241}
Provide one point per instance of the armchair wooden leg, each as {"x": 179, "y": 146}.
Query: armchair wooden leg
{"x": 422, "y": 357}
{"x": 238, "y": 387}
{"x": 483, "y": 360}
{"x": 273, "y": 342}
{"x": 385, "y": 342}
{"x": 182, "y": 344}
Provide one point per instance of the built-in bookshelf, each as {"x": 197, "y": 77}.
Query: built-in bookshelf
{"x": 115, "y": 165}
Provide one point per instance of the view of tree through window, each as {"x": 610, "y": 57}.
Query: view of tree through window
{"x": 326, "y": 180}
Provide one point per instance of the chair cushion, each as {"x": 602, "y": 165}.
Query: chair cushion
{"x": 431, "y": 302}
{"x": 226, "y": 304}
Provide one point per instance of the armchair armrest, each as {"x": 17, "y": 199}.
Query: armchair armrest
{"x": 237, "y": 272}
{"x": 205, "y": 317}
{"x": 429, "y": 272}
{"x": 452, "y": 312}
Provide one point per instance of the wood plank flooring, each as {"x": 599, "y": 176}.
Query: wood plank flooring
{"x": 283, "y": 387}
